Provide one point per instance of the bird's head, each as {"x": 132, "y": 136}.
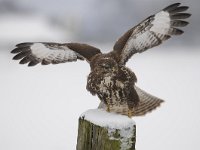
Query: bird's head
{"x": 107, "y": 66}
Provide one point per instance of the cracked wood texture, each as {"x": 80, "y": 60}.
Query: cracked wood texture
{"x": 94, "y": 137}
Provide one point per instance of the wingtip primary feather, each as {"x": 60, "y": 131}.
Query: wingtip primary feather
{"x": 177, "y": 31}
{"x": 179, "y": 9}
{"x": 180, "y": 16}
{"x": 24, "y": 44}
{"x": 18, "y": 50}
{"x": 179, "y": 23}
{"x": 171, "y": 7}
{"x": 32, "y": 63}
{"x": 25, "y": 60}
{"x": 21, "y": 55}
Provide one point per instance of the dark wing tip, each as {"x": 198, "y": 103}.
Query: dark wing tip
{"x": 21, "y": 55}
{"x": 23, "y": 52}
{"x": 177, "y": 31}
{"x": 171, "y": 7}
{"x": 179, "y": 23}
{"x": 33, "y": 63}
{"x": 25, "y": 60}
{"x": 20, "y": 49}
{"x": 179, "y": 9}
{"x": 16, "y": 50}
{"x": 184, "y": 8}
{"x": 180, "y": 16}
{"x": 25, "y": 44}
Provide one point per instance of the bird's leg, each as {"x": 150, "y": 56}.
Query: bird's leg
{"x": 108, "y": 108}
{"x": 130, "y": 113}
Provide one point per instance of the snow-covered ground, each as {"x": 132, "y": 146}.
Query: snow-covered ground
{"x": 40, "y": 106}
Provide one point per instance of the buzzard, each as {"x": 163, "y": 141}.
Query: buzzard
{"x": 109, "y": 78}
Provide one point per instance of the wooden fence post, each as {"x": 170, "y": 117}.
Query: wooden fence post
{"x": 100, "y": 130}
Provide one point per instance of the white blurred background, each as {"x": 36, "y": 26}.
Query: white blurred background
{"x": 40, "y": 106}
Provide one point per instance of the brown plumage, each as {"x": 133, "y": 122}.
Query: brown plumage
{"x": 109, "y": 78}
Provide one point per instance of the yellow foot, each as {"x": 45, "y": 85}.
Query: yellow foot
{"x": 130, "y": 113}
{"x": 108, "y": 108}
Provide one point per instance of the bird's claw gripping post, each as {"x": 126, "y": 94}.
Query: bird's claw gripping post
{"x": 130, "y": 113}
{"x": 108, "y": 108}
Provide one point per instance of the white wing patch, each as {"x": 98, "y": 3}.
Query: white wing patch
{"x": 144, "y": 41}
{"x": 53, "y": 53}
{"x": 61, "y": 53}
{"x": 161, "y": 23}
{"x": 44, "y": 53}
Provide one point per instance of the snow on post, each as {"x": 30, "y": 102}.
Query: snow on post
{"x": 100, "y": 130}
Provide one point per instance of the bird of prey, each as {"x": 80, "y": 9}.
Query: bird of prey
{"x": 109, "y": 78}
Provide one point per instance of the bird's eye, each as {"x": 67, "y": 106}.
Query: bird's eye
{"x": 106, "y": 66}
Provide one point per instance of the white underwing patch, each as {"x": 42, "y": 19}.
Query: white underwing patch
{"x": 161, "y": 23}
{"x": 41, "y": 51}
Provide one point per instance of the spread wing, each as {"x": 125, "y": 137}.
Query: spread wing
{"x": 152, "y": 31}
{"x": 52, "y": 53}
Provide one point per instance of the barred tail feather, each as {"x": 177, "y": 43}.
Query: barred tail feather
{"x": 147, "y": 103}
